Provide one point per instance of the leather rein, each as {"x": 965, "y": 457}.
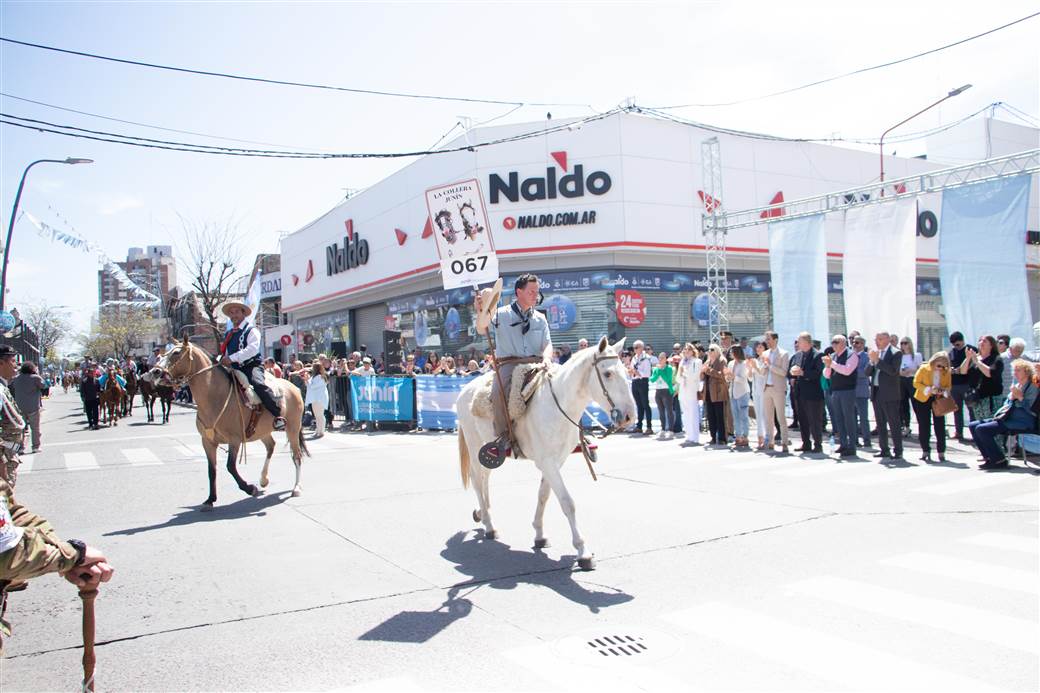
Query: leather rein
{"x": 615, "y": 415}
{"x": 210, "y": 430}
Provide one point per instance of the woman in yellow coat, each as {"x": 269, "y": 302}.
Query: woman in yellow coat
{"x": 931, "y": 380}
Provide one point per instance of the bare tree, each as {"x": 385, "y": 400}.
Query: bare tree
{"x": 50, "y": 323}
{"x": 118, "y": 334}
{"x": 213, "y": 256}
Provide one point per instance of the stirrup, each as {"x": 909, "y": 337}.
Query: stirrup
{"x": 279, "y": 424}
{"x": 492, "y": 455}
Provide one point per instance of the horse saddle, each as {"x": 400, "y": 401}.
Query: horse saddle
{"x": 249, "y": 399}
{"x": 527, "y": 378}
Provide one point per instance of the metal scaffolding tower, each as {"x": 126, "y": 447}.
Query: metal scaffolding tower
{"x": 714, "y": 239}
{"x": 1023, "y": 163}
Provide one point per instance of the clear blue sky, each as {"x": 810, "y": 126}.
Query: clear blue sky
{"x": 589, "y": 53}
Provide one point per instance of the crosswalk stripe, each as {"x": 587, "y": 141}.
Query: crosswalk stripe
{"x": 895, "y": 475}
{"x": 970, "y": 483}
{"x": 1011, "y": 542}
{"x": 141, "y": 457}
{"x": 1032, "y": 499}
{"x": 80, "y": 461}
{"x": 819, "y": 654}
{"x": 969, "y": 571}
{"x": 969, "y": 621}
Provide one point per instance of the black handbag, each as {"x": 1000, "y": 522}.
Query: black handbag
{"x": 971, "y": 397}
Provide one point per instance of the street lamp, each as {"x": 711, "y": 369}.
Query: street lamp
{"x": 953, "y": 93}
{"x": 14, "y": 213}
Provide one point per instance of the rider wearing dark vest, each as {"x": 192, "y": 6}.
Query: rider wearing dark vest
{"x": 241, "y": 350}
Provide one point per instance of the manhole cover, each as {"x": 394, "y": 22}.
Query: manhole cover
{"x": 617, "y": 644}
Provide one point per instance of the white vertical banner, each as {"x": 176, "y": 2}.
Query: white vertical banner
{"x": 879, "y": 271}
{"x": 798, "y": 273}
{"x": 463, "y": 234}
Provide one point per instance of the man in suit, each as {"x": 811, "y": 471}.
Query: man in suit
{"x": 841, "y": 367}
{"x": 886, "y": 392}
{"x": 776, "y": 360}
{"x": 806, "y": 370}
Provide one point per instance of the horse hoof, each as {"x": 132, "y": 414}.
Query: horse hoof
{"x": 476, "y": 516}
{"x": 264, "y": 483}
{"x": 541, "y": 544}
{"x": 490, "y": 536}
{"x": 255, "y": 492}
{"x": 586, "y": 563}
{"x": 206, "y": 507}
{"x": 296, "y": 493}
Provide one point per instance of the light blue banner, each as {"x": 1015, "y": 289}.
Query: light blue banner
{"x": 982, "y": 259}
{"x": 798, "y": 269}
{"x": 436, "y": 395}
{"x": 381, "y": 398}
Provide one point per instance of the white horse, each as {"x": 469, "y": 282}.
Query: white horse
{"x": 547, "y": 435}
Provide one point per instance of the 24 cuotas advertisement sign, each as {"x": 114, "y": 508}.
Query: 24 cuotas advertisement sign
{"x": 630, "y": 307}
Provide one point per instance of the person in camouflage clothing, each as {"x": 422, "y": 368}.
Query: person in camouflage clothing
{"x": 30, "y": 548}
{"x": 12, "y": 423}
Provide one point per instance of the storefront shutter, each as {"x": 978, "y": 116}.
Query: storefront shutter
{"x": 370, "y": 322}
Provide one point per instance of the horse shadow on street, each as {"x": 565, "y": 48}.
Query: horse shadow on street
{"x": 242, "y": 508}
{"x": 483, "y": 562}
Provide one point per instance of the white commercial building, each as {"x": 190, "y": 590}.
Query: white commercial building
{"x": 614, "y": 204}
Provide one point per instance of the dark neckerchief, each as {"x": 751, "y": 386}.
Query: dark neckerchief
{"x": 525, "y": 320}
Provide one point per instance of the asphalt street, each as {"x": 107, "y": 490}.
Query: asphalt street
{"x": 717, "y": 570}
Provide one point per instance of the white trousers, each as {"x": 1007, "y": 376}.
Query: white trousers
{"x": 691, "y": 414}
{"x": 319, "y": 417}
{"x": 760, "y": 409}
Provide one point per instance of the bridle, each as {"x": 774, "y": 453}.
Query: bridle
{"x": 615, "y": 412}
{"x": 615, "y": 415}
{"x": 209, "y": 431}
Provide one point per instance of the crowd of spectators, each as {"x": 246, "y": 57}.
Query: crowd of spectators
{"x": 831, "y": 390}
{"x": 717, "y": 389}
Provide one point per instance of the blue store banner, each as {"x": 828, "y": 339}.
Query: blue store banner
{"x": 561, "y": 312}
{"x": 436, "y": 395}
{"x": 378, "y": 398}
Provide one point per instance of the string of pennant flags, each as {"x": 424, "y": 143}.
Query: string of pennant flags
{"x": 139, "y": 298}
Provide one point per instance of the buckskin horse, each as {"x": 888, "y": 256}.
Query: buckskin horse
{"x": 546, "y": 432}
{"x": 111, "y": 400}
{"x": 221, "y": 417}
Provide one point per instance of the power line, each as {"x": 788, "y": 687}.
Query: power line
{"x": 1030, "y": 120}
{"x": 117, "y": 138}
{"x": 906, "y": 137}
{"x": 850, "y": 74}
{"x": 286, "y": 83}
{"x": 146, "y": 125}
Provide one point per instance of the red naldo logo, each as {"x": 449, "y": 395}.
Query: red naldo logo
{"x": 551, "y": 186}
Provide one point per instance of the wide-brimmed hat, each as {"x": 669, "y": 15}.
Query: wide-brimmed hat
{"x": 243, "y": 306}
{"x": 490, "y": 297}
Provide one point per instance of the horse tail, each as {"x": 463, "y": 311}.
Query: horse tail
{"x": 463, "y": 459}
{"x": 303, "y": 443}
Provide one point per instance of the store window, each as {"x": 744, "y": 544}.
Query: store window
{"x": 674, "y": 309}
{"x": 324, "y": 334}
